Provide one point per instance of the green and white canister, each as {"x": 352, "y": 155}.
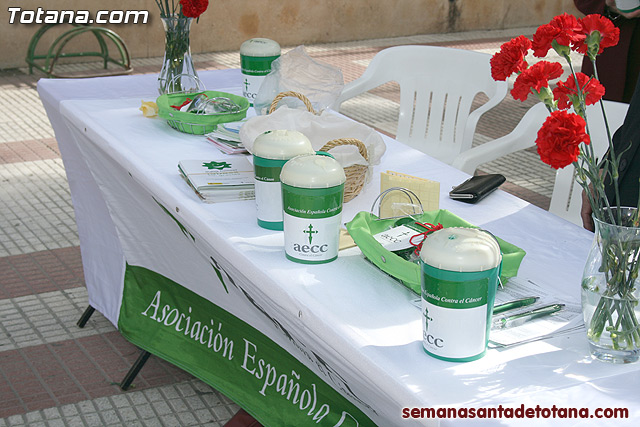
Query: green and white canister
{"x": 312, "y": 194}
{"x": 460, "y": 271}
{"x": 256, "y": 56}
{"x": 271, "y": 150}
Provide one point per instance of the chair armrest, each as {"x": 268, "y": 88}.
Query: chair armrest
{"x": 353, "y": 89}
{"x": 523, "y": 136}
{"x": 502, "y": 88}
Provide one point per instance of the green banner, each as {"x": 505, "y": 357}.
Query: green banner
{"x": 174, "y": 323}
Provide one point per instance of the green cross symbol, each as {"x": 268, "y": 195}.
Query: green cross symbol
{"x": 216, "y": 165}
{"x": 246, "y": 85}
{"x": 426, "y": 319}
{"x": 310, "y": 232}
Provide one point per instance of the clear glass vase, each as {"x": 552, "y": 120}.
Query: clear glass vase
{"x": 178, "y": 73}
{"x": 610, "y": 288}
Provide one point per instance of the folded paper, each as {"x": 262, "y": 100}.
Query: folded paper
{"x": 395, "y": 203}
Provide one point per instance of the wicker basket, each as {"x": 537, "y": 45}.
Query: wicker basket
{"x": 292, "y": 94}
{"x": 355, "y": 174}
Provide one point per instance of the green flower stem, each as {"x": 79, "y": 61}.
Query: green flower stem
{"x": 613, "y": 159}
{"x": 600, "y": 201}
{"x": 615, "y": 311}
{"x": 165, "y": 10}
{"x": 177, "y": 39}
{"x": 177, "y": 58}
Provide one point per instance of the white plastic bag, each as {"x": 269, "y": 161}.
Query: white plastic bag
{"x": 296, "y": 71}
{"x": 320, "y": 129}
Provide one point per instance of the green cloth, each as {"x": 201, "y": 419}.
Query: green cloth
{"x": 365, "y": 224}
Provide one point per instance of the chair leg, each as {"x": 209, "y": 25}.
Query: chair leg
{"x": 128, "y": 379}
{"x": 85, "y": 316}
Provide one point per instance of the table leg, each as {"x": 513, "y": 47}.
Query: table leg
{"x": 85, "y": 316}
{"x": 128, "y": 379}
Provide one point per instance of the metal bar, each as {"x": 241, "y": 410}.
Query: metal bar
{"x": 128, "y": 379}
{"x": 85, "y": 316}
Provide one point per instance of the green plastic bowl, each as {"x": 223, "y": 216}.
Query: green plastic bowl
{"x": 198, "y": 124}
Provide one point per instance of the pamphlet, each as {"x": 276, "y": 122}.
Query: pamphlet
{"x": 219, "y": 180}
{"x": 226, "y": 138}
{"x": 567, "y": 320}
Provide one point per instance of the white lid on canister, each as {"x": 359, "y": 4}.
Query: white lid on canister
{"x": 260, "y": 47}
{"x": 461, "y": 249}
{"x": 312, "y": 171}
{"x": 281, "y": 144}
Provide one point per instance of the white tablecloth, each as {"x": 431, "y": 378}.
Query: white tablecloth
{"x": 352, "y": 316}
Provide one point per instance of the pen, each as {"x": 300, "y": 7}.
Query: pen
{"x": 521, "y": 318}
{"x": 523, "y": 302}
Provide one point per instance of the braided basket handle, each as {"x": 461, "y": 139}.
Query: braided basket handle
{"x": 301, "y": 97}
{"x": 347, "y": 141}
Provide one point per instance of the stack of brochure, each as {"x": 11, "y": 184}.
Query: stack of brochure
{"x": 219, "y": 180}
{"x": 226, "y": 138}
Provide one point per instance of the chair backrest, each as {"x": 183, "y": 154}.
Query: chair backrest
{"x": 566, "y": 199}
{"x": 437, "y": 89}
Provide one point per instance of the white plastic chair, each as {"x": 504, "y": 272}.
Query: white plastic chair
{"x": 566, "y": 199}
{"x": 437, "y": 89}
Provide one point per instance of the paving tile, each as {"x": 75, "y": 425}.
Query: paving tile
{"x": 145, "y": 411}
{"x": 110, "y": 417}
{"x": 42, "y": 376}
{"x": 195, "y": 403}
{"x": 48, "y": 317}
{"x": 92, "y": 420}
{"x": 16, "y": 420}
{"x": 32, "y": 184}
{"x": 29, "y": 150}
{"x": 128, "y": 415}
{"x": 170, "y": 420}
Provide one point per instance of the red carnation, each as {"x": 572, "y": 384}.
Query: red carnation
{"x": 193, "y": 8}
{"x": 568, "y": 28}
{"x": 510, "y": 59}
{"x": 559, "y": 138}
{"x": 566, "y": 92}
{"x": 544, "y": 35}
{"x": 564, "y": 29}
{"x": 597, "y": 33}
{"x": 535, "y": 77}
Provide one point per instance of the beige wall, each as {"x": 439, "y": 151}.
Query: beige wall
{"x": 227, "y": 23}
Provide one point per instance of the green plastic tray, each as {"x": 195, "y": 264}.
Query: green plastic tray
{"x": 365, "y": 224}
{"x": 198, "y": 124}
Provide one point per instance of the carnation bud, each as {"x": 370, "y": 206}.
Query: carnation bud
{"x": 593, "y": 42}
{"x": 546, "y": 96}
{"x": 562, "y": 50}
{"x": 578, "y": 106}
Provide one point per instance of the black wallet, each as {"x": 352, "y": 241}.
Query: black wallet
{"x": 477, "y": 187}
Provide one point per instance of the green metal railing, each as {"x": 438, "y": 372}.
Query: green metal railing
{"x": 47, "y": 62}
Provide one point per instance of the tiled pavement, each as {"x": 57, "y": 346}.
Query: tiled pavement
{"x": 54, "y": 373}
